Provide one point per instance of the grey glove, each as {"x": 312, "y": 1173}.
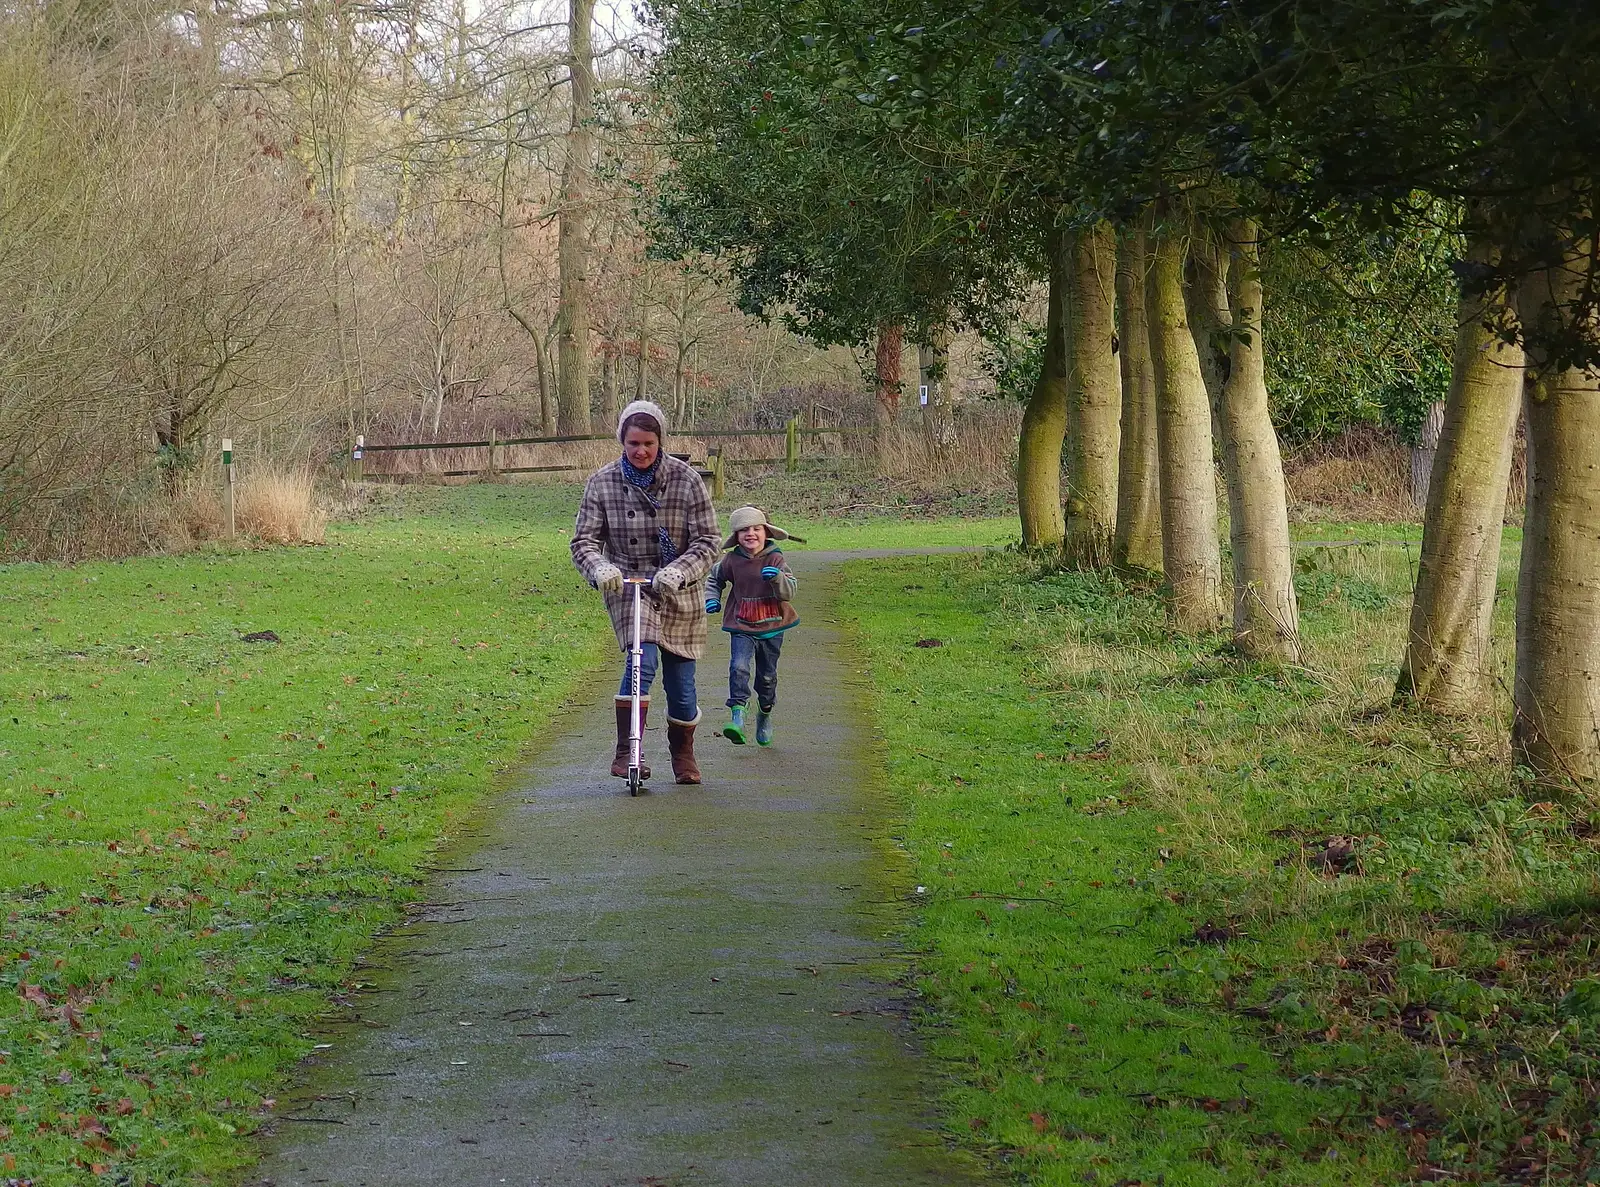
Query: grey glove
{"x": 608, "y": 579}
{"x": 667, "y": 580}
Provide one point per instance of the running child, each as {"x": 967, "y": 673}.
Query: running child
{"x": 759, "y": 609}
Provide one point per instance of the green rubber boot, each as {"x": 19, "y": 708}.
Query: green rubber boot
{"x": 734, "y": 730}
{"x": 764, "y": 727}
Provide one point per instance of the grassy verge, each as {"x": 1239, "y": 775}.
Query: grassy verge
{"x": 1189, "y": 921}
{"x": 199, "y": 833}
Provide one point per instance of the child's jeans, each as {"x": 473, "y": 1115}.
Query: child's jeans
{"x": 763, "y": 655}
{"x": 677, "y": 680}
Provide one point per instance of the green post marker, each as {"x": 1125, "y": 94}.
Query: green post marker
{"x": 791, "y": 453}
{"x": 227, "y": 487}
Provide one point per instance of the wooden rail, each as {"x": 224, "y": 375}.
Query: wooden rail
{"x": 715, "y": 467}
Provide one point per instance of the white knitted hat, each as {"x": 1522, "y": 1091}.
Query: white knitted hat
{"x": 646, "y": 408}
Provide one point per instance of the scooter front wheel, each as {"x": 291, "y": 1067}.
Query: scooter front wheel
{"x": 635, "y": 781}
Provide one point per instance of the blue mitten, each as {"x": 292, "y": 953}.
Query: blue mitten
{"x": 769, "y": 571}
{"x": 713, "y": 605}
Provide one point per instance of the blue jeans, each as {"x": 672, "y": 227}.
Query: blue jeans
{"x": 677, "y": 680}
{"x": 750, "y": 651}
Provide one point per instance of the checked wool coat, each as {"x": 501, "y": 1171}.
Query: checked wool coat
{"x": 616, "y": 523}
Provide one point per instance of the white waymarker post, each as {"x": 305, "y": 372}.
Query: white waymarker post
{"x": 922, "y": 394}
{"x": 227, "y": 486}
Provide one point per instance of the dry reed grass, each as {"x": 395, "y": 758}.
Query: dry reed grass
{"x": 1366, "y": 476}
{"x": 93, "y": 524}
{"x": 1368, "y": 481}
{"x": 195, "y": 514}
{"x": 278, "y": 504}
{"x": 981, "y": 455}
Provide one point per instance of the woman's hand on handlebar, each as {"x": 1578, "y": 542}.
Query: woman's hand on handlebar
{"x": 608, "y": 579}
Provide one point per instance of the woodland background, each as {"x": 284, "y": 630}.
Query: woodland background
{"x": 291, "y": 223}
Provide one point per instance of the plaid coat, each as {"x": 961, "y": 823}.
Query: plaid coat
{"x": 616, "y": 523}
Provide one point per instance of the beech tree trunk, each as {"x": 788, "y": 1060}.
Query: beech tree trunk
{"x": 1137, "y": 543}
{"x": 1190, "y": 551}
{"x": 1424, "y": 451}
{"x": 1266, "y": 618}
{"x": 1205, "y": 295}
{"x": 1044, "y": 421}
{"x": 1556, "y": 732}
{"x": 1094, "y": 399}
{"x": 572, "y": 237}
{"x": 1447, "y": 664}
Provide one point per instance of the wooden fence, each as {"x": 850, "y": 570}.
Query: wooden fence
{"x": 713, "y": 468}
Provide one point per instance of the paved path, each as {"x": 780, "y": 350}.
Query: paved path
{"x": 694, "y": 987}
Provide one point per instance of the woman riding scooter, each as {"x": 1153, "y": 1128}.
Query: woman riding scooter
{"x": 647, "y": 514}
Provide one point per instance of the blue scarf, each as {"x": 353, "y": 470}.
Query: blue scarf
{"x": 644, "y": 480}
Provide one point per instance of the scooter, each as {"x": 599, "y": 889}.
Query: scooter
{"x": 635, "y": 663}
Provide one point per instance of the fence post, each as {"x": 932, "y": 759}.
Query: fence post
{"x": 494, "y": 447}
{"x": 718, "y": 487}
{"x": 229, "y": 525}
{"x": 356, "y": 450}
{"x": 791, "y": 453}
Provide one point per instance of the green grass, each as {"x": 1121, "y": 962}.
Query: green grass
{"x": 1146, "y": 955}
{"x": 199, "y": 836}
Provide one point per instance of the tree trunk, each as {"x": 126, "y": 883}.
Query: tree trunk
{"x": 680, "y": 388}
{"x": 572, "y": 245}
{"x": 1094, "y": 398}
{"x": 610, "y": 364}
{"x": 1424, "y": 451}
{"x": 1137, "y": 544}
{"x": 938, "y": 421}
{"x": 1556, "y": 733}
{"x": 1447, "y": 665}
{"x": 1044, "y": 421}
{"x": 1266, "y": 619}
{"x": 1205, "y": 296}
{"x": 886, "y": 379}
{"x": 1190, "y": 551}
{"x": 547, "y": 393}
{"x": 544, "y": 383}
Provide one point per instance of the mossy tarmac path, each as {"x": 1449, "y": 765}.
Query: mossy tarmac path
{"x": 698, "y": 986}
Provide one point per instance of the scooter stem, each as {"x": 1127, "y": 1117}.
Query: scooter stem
{"x": 635, "y": 733}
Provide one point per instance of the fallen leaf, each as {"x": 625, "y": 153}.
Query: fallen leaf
{"x": 1040, "y": 1122}
{"x": 34, "y": 994}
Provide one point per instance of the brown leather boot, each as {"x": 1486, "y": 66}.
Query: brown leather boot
{"x": 619, "y": 764}
{"x": 680, "y": 742}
